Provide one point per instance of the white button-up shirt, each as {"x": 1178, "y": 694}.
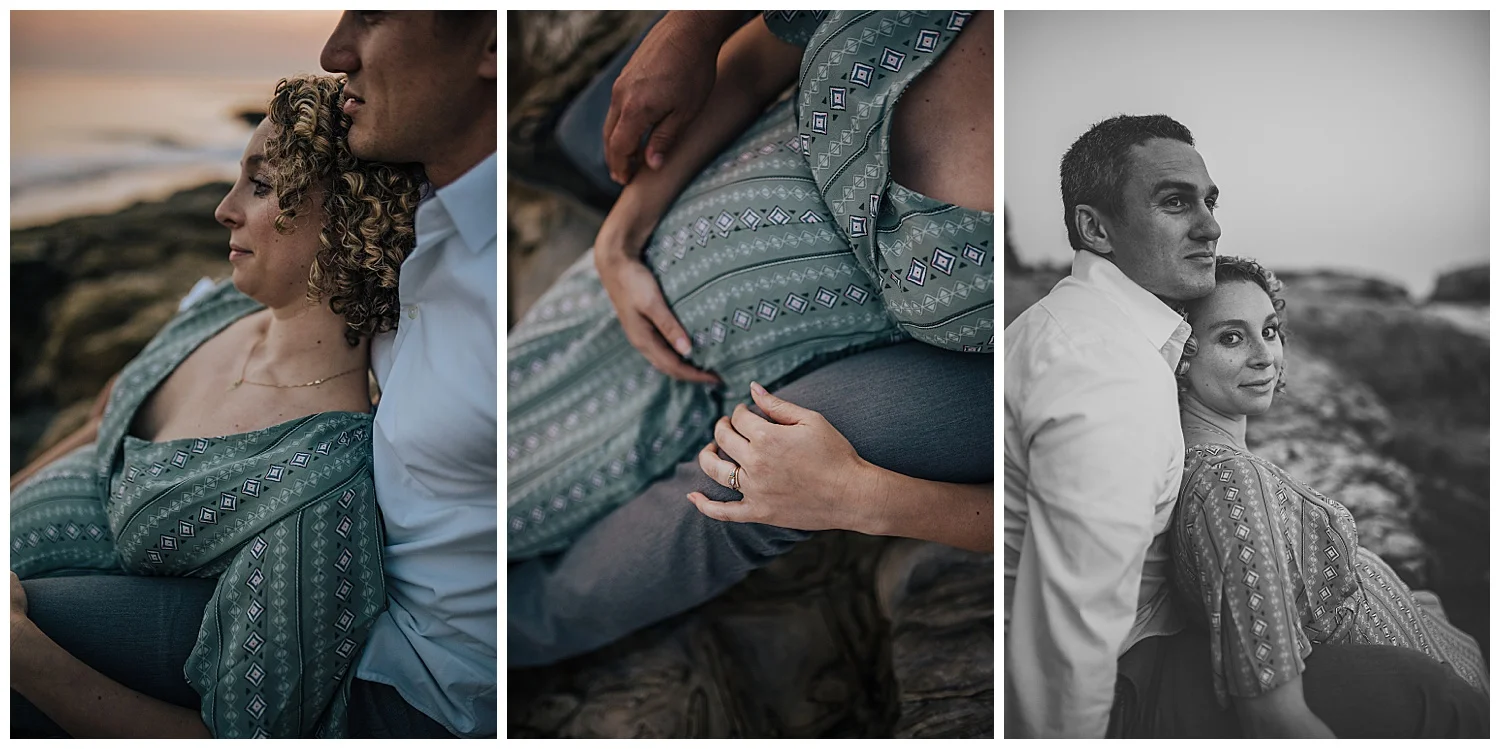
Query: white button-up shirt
{"x": 436, "y": 465}
{"x": 1093, "y": 460}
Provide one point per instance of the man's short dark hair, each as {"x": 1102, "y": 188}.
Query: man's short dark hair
{"x": 1096, "y": 166}
{"x": 456, "y": 22}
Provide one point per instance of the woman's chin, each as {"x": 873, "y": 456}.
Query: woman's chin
{"x": 1260, "y": 406}
{"x": 243, "y": 282}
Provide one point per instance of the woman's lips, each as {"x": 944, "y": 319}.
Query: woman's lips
{"x": 236, "y": 253}
{"x": 1259, "y": 385}
{"x": 352, "y": 105}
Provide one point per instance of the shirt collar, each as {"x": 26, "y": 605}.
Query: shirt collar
{"x": 470, "y": 202}
{"x": 1150, "y": 315}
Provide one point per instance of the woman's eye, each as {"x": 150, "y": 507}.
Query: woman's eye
{"x": 1270, "y": 331}
{"x": 1232, "y": 338}
{"x": 262, "y": 189}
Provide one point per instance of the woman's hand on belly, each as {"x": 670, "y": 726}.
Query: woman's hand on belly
{"x": 795, "y": 471}
{"x": 648, "y": 322}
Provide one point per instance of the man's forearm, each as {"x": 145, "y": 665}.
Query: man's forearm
{"x": 753, "y": 67}
{"x": 961, "y": 515}
{"x": 706, "y": 27}
{"x": 84, "y": 702}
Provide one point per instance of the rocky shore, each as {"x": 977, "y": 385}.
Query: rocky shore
{"x": 87, "y": 293}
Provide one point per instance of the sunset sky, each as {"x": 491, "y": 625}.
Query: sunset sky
{"x": 112, "y": 107}
{"x": 250, "y": 44}
{"x": 1353, "y": 140}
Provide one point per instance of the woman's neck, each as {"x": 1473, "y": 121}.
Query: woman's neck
{"x": 1201, "y": 423}
{"x": 303, "y": 342}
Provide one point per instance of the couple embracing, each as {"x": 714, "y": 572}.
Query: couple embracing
{"x": 247, "y": 539}
{"x": 1161, "y": 580}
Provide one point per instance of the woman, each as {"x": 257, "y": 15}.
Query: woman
{"x": 1268, "y": 565}
{"x": 790, "y": 249}
{"x": 236, "y": 446}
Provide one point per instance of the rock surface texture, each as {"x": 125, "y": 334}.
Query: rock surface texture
{"x": 89, "y": 292}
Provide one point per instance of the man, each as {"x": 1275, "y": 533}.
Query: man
{"x": 1093, "y": 462}
{"x": 422, "y": 88}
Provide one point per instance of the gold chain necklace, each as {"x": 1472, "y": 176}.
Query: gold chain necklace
{"x": 246, "y": 366}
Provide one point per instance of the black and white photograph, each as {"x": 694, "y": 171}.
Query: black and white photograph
{"x": 1246, "y": 374}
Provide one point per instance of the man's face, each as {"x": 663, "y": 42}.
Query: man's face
{"x": 413, "y": 83}
{"x": 1165, "y": 236}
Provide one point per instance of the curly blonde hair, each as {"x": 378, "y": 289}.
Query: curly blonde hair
{"x": 369, "y": 207}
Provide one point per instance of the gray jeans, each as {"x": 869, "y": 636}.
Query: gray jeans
{"x": 139, "y": 631}
{"x": 911, "y": 408}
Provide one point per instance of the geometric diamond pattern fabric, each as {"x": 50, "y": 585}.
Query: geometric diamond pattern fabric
{"x": 264, "y": 512}
{"x": 757, "y": 261}
{"x": 1272, "y": 569}
{"x": 932, "y": 262}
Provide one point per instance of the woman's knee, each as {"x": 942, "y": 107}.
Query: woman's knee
{"x": 1382, "y": 691}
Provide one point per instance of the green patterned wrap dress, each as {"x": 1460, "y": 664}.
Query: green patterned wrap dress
{"x": 284, "y": 518}
{"x": 1271, "y": 568}
{"x": 792, "y": 248}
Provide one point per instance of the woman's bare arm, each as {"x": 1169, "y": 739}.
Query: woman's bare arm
{"x": 80, "y": 437}
{"x": 82, "y": 701}
{"x": 961, "y": 515}
{"x": 1281, "y": 713}
{"x": 753, "y": 67}
{"x": 795, "y": 470}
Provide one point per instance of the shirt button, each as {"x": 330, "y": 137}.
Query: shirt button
{"x": 411, "y": 311}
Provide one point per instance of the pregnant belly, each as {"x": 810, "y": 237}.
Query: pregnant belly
{"x": 750, "y": 262}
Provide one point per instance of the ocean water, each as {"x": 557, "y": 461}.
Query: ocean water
{"x": 84, "y": 144}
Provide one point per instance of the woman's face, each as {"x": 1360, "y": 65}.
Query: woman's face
{"x": 1240, "y": 356}
{"x": 270, "y": 267}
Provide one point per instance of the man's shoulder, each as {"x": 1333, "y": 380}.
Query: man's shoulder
{"x": 1075, "y": 346}
{"x": 1075, "y": 321}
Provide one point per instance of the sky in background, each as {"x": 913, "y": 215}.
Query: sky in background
{"x": 112, "y": 107}
{"x": 1348, "y": 140}
{"x": 235, "y": 44}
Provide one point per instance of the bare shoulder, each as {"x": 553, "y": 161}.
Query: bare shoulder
{"x": 943, "y": 129}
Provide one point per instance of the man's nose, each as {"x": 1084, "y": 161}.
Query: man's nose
{"x": 338, "y": 55}
{"x": 1206, "y": 229}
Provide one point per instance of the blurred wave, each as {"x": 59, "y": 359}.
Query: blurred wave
{"x": 85, "y": 144}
